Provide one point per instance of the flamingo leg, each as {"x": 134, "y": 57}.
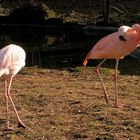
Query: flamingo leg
{"x": 103, "y": 86}
{"x": 116, "y": 83}
{"x": 9, "y": 96}
{"x": 7, "y": 105}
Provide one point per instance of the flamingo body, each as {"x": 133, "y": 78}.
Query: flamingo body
{"x": 12, "y": 59}
{"x": 112, "y": 47}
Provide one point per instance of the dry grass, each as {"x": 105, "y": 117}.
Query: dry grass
{"x": 58, "y": 104}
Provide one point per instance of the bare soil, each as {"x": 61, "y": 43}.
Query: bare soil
{"x": 68, "y": 104}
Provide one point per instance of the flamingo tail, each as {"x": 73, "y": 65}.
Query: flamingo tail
{"x": 86, "y": 59}
{"x": 85, "y": 62}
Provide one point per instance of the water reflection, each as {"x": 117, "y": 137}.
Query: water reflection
{"x": 49, "y": 50}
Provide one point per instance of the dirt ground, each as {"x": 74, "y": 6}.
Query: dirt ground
{"x": 68, "y": 104}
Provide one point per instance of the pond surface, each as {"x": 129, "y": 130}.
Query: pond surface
{"x": 51, "y": 48}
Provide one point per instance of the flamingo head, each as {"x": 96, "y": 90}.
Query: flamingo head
{"x": 123, "y": 29}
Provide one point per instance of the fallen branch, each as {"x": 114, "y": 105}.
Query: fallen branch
{"x": 118, "y": 10}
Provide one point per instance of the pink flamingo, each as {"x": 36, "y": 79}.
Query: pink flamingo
{"x": 114, "y": 46}
{"x": 12, "y": 59}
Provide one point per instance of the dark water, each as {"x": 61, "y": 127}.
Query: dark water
{"x": 52, "y": 48}
{"x": 56, "y": 49}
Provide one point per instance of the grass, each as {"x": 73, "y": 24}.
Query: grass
{"x": 58, "y": 104}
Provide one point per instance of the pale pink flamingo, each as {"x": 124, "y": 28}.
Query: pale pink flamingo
{"x": 114, "y": 46}
{"x": 12, "y": 59}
